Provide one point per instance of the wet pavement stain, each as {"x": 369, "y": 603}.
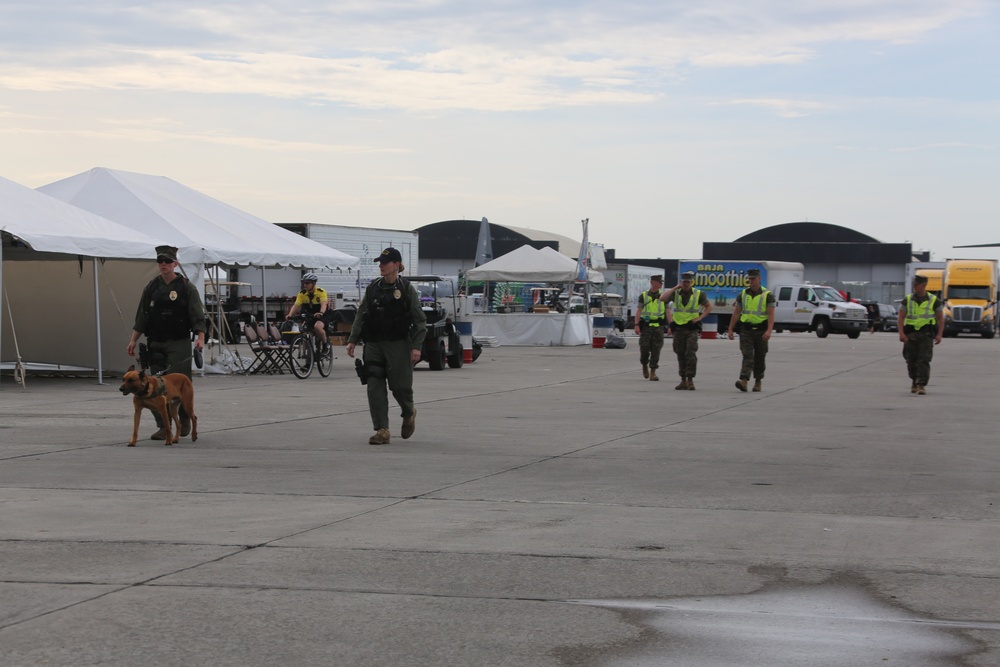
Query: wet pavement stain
{"x": 834, "y": 624}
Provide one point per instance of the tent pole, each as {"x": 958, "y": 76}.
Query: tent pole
{"x": 97, "y": 318}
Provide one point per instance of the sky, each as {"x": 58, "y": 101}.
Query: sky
{"x": 666, "y": 123}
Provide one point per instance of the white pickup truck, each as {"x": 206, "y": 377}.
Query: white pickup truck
{"x": 817, "y": 308}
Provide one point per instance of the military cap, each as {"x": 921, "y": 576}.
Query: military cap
{"x": 658, "y": 279}
{"x": 167, "y": 251}
{"x": 919, "y": 279}
{"x": 687, "y": 275}
{"x": 753, "y": 273}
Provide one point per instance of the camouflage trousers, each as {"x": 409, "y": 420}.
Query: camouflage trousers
{"x": 918, "y": 350}
{"x": 650, "y": 344}
{"x": 754, "y": 349}
{"x": 686, "y": 348}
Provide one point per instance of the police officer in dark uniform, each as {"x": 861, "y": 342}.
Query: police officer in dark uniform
{"x": 392, "y": 326}
{"x": 170, "y": 308}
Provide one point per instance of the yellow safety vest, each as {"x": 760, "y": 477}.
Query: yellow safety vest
{"x": 754, "y": 307}
{"x": 654, "y": 311}
{"x": 684, "y": 314}
{"x": 919, "y": 315}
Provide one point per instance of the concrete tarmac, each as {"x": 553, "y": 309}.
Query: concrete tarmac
{"x": 553, "y": 508}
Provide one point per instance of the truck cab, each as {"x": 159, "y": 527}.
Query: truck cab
{"x": 970, "y": 297}
{"x": 817, "y": 308}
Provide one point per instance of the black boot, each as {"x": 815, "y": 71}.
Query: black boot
{"x": 162, "y": 433}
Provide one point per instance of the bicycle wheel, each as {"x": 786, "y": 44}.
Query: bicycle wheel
{"x": 301, "y": 357}
{"x": 324, "y": 361}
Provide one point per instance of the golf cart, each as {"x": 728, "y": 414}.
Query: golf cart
{"x": 442, "y": 347}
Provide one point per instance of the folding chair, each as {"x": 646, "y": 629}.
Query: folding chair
{"x": 264, "y": 352}
{"x": 282, "y": 347}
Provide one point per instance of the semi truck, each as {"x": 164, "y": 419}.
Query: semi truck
{"x": 970, "y": 297}
{"x": 934, "y": 271}
{"x": 799, "y": 306}
{"x": 629, "y": 281}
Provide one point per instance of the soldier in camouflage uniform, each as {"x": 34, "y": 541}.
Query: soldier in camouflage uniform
{"x": 650, "y": 322}
{"x": 921, "y": 327}
{"x": 689, "y": 307}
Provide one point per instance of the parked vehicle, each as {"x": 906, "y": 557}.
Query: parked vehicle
{"x": 628, "y": 280}
{"x": 442, "y": 346}
{"x": 886, "y": 314}
{"x": 818, "y": 308}
{"x": 970, "y": 296}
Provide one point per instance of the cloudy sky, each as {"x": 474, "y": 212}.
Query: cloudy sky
{"x": 666, "y": 122}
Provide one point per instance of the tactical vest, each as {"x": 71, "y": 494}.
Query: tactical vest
{"x": 919, "y": 315}
{"x": 685, "y": 314}
{"x": 654, "y": 311}
{"x": 754, "y": 308}
{"x": 389, "y": 316}
{"x": 166, "y": 310}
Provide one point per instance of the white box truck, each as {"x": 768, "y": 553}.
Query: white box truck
{"x": 799, "y": 306}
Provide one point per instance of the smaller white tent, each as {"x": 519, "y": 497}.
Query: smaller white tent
{"x": 529, "y": 265}
{"x": 50, "y": 297}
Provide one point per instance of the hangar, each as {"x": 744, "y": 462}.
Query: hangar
{"x": 834, "y": 255}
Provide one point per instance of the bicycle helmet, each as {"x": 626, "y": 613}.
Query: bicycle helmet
{"x": 310, "y": 278}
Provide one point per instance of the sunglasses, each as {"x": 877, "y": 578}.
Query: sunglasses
{"x": 164, "y": 260}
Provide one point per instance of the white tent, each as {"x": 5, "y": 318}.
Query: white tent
{"x": 207, "y": 230}
{"x": 50, "y": 296}
{"x": 529, "y": 265}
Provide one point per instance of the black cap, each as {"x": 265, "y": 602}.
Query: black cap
{"x": 658, "y": 279}
{"x": 687, "y": 275}
{"x": 167, "y": 251}
{"x": 753, "y": 273}
{"x": 919, "y": 279}
{"x": 389, "y": 255}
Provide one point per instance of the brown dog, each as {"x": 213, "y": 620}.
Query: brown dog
{"x": 162, "y": 394}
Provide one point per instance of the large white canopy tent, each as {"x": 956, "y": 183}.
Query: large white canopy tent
{"x": 208, "y": 232}
{"x": 530, "y": 265}
{"x": 51, "y": 296}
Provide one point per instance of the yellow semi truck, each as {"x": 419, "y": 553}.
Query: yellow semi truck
{"x": 935, "y": 281}
{"x": 970, "y": 297}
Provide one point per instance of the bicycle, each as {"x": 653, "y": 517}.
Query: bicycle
{"x": 306, "y": 350}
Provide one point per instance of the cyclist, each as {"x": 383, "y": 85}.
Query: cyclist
{"x": 312, "y": 302}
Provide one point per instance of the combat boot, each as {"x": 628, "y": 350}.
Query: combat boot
{"x": 409, "y": 425}
{"x": 920, "y": 390}
{"x": 913, "y": 388}
{"x": 185, "y": 422}
{"x": 690, "y": 384}
{"x": 645, "y": 371}
{"x": 652, "y": 375}
{"x": 756, "y": 385}
{"x": 741, "y": 384}
{"x": 161, "y": 434}
{"x": 683, "y": 386}
{"x": 381, "y": 437}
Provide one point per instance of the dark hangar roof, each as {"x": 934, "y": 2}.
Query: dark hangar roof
{"x": 810, "y": 243}
{"x": 457, "y": 239}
